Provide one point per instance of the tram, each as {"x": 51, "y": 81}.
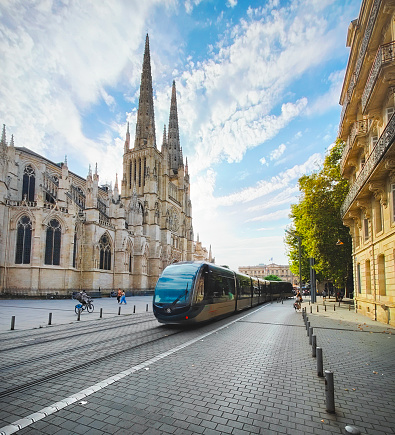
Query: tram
{"x": 194, "y": 292}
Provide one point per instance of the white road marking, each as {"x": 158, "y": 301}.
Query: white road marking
{"x": 51, "y": 409}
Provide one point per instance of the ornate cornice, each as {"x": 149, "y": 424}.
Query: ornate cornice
{"x": 379, "y": 192}
{"x": 356, "y": 217}
{"x": 365, "y": 206}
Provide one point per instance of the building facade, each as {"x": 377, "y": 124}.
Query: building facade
{"x": 367, "y": 126}
{"x": 263, "y": 270}
{"x": 60, "y": 232}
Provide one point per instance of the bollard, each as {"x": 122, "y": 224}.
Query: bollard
{"x": 349, "y": 308}
{"x": 339, "y": 303}
{"x": 134, "y": 309}
{"x": 147, "y": 308}
{"x": 79, "y": 315}
{"x": 320, "y": 365}
{"x": 313, "y": 346}
{"x": 101, "y": 312}
{"x": 317, "y": 308}
{"x": 325, "y": 307}
{"x": 50, "y": 319}
{"x": 311, "y": 309}
{"x": 119, "y": 311}
{"x": 310, "y": 335}
{"x": 308, "y": 328}
{"x": 334, "y": 307}
{"x": 329, "y": 391}
{"x": 12, "y": 323}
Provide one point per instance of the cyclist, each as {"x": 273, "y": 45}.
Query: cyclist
{"x": 299, "y": 300}
{"x": 82, "y": 297}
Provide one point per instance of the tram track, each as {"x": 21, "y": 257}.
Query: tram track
{"x": 163, "y": 334}
{"x": 39, "y": 338}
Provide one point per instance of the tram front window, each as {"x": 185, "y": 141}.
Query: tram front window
{"x": 175, "y": 285}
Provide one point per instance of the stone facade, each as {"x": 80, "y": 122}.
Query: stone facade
{"x": 367, "y": 126}
{"x": 263, "y": 270}
{"x": 60, "y": 232}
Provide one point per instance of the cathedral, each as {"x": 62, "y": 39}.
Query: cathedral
{"x": 60, "y": 232}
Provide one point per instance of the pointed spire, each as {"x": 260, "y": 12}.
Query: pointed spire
{"x": 12, "y": 141}
{"x": 186, "y": 165}
{"x": 164, "y": 140}
{"x": 145, "y": 127}
{"x": 3, "y": 137}
{"x": 116, "y": 181}
{"x": 90, "y": 171}
{"x": 127, "y": 140}
{"x": 174, "y": 136}
{"x": 65, "y": 160}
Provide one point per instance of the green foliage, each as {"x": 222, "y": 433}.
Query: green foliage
{"x": 316, "y": 219}
{"x": 273, "y": 278}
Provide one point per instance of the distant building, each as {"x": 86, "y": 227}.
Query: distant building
{"x": 263, "y": 270}
{"x": 62, "y": 232}
{"x": 367, "y": 126}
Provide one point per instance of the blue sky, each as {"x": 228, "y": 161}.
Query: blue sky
{"x": 258, "y": 87}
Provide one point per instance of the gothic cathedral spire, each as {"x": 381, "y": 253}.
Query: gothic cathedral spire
{"x": 174, "y": 136}
{"x": 145, "y": 127}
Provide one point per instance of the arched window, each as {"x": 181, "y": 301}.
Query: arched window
{"x": 29, "y": 182}
{"x": 52, "y": 245}
{"x": 23, "y": 241}
{"x": 75, "y": 248}
{"x": 105, "y": 252}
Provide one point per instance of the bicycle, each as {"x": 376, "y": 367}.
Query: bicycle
{"x": 82, "y": 307}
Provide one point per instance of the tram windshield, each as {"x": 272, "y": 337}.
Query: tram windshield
{"x": 175, "y": 285}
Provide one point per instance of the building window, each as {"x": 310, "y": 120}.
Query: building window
{"x": 359, "y": 277}
{"x": 75, "y": 249}
{"x": 144, "y": 264}
{"x": 379, "y": 217}
{"x": 368, "y": 277}
{"x": 381, "y": 271}
{"x": 23, "y": 241}
{"x": 29, "y": 182}
{"x": 52, "y": 245}
{"x": 366, "y": 229}
{"x": 105, "y": 253}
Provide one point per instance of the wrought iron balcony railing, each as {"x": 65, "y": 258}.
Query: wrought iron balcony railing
{"x": 385, "y": 54}
{"x": 361, "y": 56}
{"x": 359, "y": 128}
{"x": 384, "y": 142}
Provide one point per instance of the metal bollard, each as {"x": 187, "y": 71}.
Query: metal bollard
{"x": 101, "y": 312}
{"x": 12, "y": 323}
{"x": 329, "y": 391}
{"x": 349, "y": 308}
{"x": 308, "y": 328}
{"x": 79, "y": 315}
{"x": 313, "y": 346}
{"x": 134, "y": 309}
{"x": 334, "y": 307}
{"x": 311, "y": 308}
{"x": 325, "y": 307}
{"x": 119, "y": 311}
{"x": 320, "y": 365}
{"x": 317, "y": 308}
{"x": 50, "y": 319}
{"x": 310, "y": 335}
{"x": 147, "y": 308}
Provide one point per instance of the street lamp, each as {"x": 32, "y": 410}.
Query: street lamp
{"x": 291, "y": 233}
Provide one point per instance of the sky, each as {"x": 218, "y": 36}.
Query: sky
{"x": 258, "y": 87}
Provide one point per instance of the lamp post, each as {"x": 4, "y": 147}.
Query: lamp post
{"x": 291, "y": 233}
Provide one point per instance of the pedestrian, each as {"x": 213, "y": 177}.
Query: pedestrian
{"x": 123, "y": 297}
{"x": 324, "y": 294}
{"x": 119, "y": 294}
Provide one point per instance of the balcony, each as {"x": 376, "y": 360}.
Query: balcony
{"x": 359, "y": 128}
{"x": 383, "y": 144}
{"x": 361, "y": 55}
{"x": 385, "y": 56}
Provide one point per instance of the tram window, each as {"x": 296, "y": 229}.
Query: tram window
{"x": 200, "y": 289}
{"x": 219, "y": 288}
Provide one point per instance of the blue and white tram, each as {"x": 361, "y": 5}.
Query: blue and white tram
{"x": 193, "y": 292}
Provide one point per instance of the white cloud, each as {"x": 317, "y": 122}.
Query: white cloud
{"x": 278, "y": 152}
{"x": 278, "y": 214}
{"x": 231, "y": 3}
{"x": 263, "y": 161}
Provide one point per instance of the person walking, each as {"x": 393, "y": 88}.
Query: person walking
{"x": 123, "y": 297}
{"x": 119, "y": 294}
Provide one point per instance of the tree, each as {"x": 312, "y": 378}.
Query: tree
{"x": 316, "y": 219}
{"x": 272, "y": 278}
